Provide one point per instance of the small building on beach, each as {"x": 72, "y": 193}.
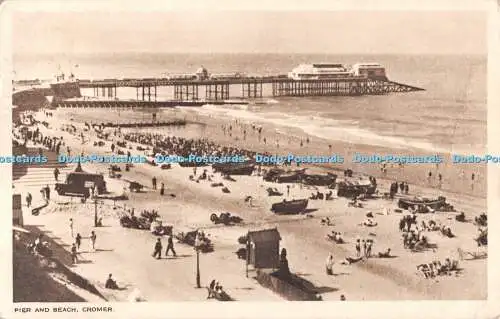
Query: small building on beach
{"x": 263, "y": 248}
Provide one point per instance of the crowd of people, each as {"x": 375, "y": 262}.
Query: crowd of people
{"x": 184, "y": 147}
{"x": 436, "y": 268}
{"x": 23, "y": 134}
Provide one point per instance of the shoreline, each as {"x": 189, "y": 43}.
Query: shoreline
{"x": 281, "y": 140}
{"x": 456, "y": 178}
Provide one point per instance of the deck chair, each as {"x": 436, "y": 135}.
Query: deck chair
{"x": 479, "y": 255}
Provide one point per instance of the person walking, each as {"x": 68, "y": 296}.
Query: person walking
{"x": 211, "y": 289}
{"x": 71, "y": 227}
{"x": 78, "y": 240}
{"x": 153, "y": 181}
{"x": 358, "y": 247}
{"x": 170, "y": 246}
{"x": 162, "y": 189}
{"x": 74, "y": 257}
{"x": 288, "y": 190}
{"x": 29, "y": 198}
{"x": 369, "y": 248}
{"x": 157, "y": 249}
{"x": 56, "y": 174}
{"x": 329, "y": 265}
{"x": 93, "y": 238}
{"x": 47, "y": 192}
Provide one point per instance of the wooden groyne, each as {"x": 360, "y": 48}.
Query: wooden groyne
{"x": 136, "y": 104}
{"x": 145, "y": 124}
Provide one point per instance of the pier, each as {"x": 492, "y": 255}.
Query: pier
{"x": 251, "y": 87}
{"x": 199, "y": 89}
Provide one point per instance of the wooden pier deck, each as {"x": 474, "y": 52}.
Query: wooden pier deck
{"x": 189, "y": 92}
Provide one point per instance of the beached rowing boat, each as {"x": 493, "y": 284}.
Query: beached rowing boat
{"x": 234, "y": 168}
{"x": 290, "y": 207}
{"x": 436, "y": 204}
{"x": 319, "y": 180}
{"x": 348, "y": 189}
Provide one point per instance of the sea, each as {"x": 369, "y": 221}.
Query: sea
{"x": 449, "y": 116}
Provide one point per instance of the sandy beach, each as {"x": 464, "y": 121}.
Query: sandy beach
{"x": 456, "y": 178}
{"x": 127, "y": 253}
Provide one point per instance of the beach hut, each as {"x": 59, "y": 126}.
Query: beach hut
{"x": 264, "y": 248}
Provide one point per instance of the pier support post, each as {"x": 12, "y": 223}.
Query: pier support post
{"x": 209, "y": 90}
{"x": 226, "y": 92}
{"x": 183, "y": 92}
{"x": 216, "y": 91}
{"x": 252, "y": 89}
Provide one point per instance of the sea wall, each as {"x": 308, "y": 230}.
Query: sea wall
{"x": 25, "y": 262}
{"x": 63, "y": 91}
{"x": 29, "y": 98}
{"x": 32, "y": 281}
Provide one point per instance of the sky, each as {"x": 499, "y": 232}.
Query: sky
{"x": 374, "y": 32}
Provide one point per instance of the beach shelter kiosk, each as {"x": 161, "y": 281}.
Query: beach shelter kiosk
{"x": 263, "y": 247}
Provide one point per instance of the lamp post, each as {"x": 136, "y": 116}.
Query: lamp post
{"x": 93, "y": 192}
{"x": 197, "y": 248}
{"x": 198, "y": 284}
{"x": 95, "y": 211}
